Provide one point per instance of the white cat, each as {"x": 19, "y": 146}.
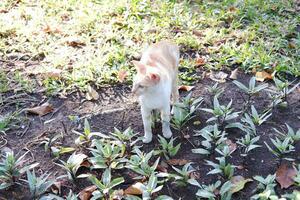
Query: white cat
{"x": 155, "y": 82}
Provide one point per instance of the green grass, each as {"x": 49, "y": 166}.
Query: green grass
{"x": 109, "y": 34}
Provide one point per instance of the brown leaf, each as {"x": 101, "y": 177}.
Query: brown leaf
{"x": 233, "y": 74}
{"x": 54, "y": 73}
{"x": 92, "y": 94}
{"x": 195, "y": 175}
{"x": 285, "y": 176}
{"x": 86, "y": 193}
{"x": 75, "y": 43}
{"x": 238, "y": 183}
{"x": 56, "y": 187}
{"x": 232, "y": 145}
{"x": 292, "y": 45}
{"x": 3, "y": 11}
{"x": 185, "y": 88}
{"x": 198, "y": 33}
{"x": 41, "y": 110}
{"x": 122, "y": 74}
{"x": 177, "y": 161}
{"x": 200, "y": 62}
{"x": 86, "y": 164}
{"x": 161, "y": 168}
{"x": 49, "y": 30}
{"x": 134, "y": 189}
{"x": 218, "y": 77}
{"x": 263, "y": 75}
{"x": 232, "y": 9}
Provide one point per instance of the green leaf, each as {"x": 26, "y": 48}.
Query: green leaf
{"x": 238, "y": 183}
{"x": 106, "y": 177}
{"x": 226, "y": 187}
{"x": 201, "y": 151}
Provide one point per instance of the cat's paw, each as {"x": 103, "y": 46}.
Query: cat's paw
{"x": 147, "y": 139}
{"x": 167, "y": 133}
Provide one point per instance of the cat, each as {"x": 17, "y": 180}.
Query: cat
{"x": 155, "y": 83}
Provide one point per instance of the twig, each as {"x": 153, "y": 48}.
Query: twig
{"x": 25, "y": 131}
{"x": 4, "y": 141}
{"x": 54, "y": 112}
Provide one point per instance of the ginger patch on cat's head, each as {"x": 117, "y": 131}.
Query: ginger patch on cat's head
{"x": 147, "y": 76}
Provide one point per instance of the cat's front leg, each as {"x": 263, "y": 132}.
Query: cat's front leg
{"x": 165, "y": 116}
{"x": 146, "y": 115}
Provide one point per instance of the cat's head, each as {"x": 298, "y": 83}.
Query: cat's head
{"x": 147, "y": 76}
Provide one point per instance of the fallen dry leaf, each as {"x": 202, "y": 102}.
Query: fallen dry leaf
{"x": 200, "y": 62}
{"x": 122, "y": 74}
{"x": 49, "y": 30}
{"x": 232, "y": 9}
{"x": 263, "y": 75}
{"x": 195, "y": 175}
{"x": 198, "y": 33}
{"x": 232, "y": 146}
{"x": 161, "y": 168}
{"x": 218, "y": 77}
{"x": 75, "y": 43}
{"x": 185, "y": 88}
{"x": 92, "y": 94}
{"x": 285, "y": 176}
{"x": 41, "y": 110}
{"x": 86, "y": 193}
{"x": 86, "y": 164}
{"x": 134, "y": 189}
{"x": 238, "y": 183}
{"x": 54, "y": 73}
{"x": 234, "y": 74}
{"x": 177, "y": 161}
{"x": 56, "y": 187}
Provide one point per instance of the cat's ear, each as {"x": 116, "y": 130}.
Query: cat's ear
{"x": 141, "y": 68}
{"x": 154, "y": 77}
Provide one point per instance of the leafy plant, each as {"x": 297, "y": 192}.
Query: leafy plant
{"x": 139, "y": 163}
{"x": 86, "y": 136}
{"x": 72, "y": 165}
{"x": 249, "y": 126}
{"x": 259, "y": 119}
{"x": 183, "y": 175}
{"x": 248, "y": 144}
{"x": 221, "y": 114}
{"x": 125, "y": 137}
{"x": 184, "y": 111}
{"x": 214, "y": 191}
{"x": 167, "y": 148}
{"x": 265, "y": 187}
{"x": 214, "y": 91}
{"x": 213, "y": 138}
{"x": 297, "y": 178}
{"x": 222, "y": 167}
{"x": 11, "y": 169}
{"x": 38, "y": 185}
{"x": 251, "y": 90}
{"x": 281, "y": 148}
{"x": 283, "y": 89}
{"x": 150, "y": 188}
{"x": 107, "y": 154}
{"x": 295, "y": 136}
{"x": 105, "y": 185}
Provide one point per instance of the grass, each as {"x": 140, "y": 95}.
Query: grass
{"x": 78, "y": 43}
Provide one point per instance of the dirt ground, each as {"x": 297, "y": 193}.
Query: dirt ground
{"x": 118, "y": 108}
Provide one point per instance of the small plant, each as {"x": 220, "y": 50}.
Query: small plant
{"x": 72, "y": 165}
{"x": 105, "y": 185}
{"x": 183, "y": 176}
{"x": 149, "y": 189}
{"x": 214, "y": 191}
{"x": 221, "y": 114}
{"x": 214, "y": 91}
{"x": 265, "y": 187}
{"x": 38, "y": 185}
{"x": 248, "y": 144}
{"x": 54, "y": 149}
{"x": 86, "y": 136}
{"x": 222, "y": 167}
{"x": 259, "y": 119}
{"x": 167, "y": 148}
{"x": 249, "y": 126}
{"x": 213, "y": 138}
{"x": 107, "y": 154}
{"x": 139, "y": 163}
{"x": 127, "y": 137}
{"x": 295, "y": 136}
{"x": 11, "y": 169}
{"x": 283, "y": 89}
{"x": 251, "y": 90}
{"x": 184, "y": 111}
{"x": 281, "y": 148}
